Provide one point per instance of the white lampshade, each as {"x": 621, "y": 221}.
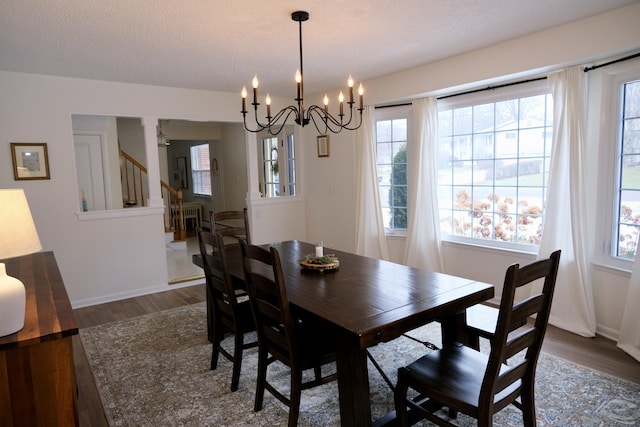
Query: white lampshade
{"x": 18, "y": 236}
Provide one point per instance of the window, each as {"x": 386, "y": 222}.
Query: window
{"x": 628, "y": 177}
{"x": 391, "y": 161}
{"x": 277, "y": 165}
{"x": 201, "y": 169}
{"x": 494, "y": 157}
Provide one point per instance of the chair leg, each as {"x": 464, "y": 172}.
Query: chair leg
{"x": 399, "y": 397}
{"x": 294, "y": 398}
{"x": 237, "y": 361}
{"x": 261, "y": 379}
{"x": 528, "y": 407}
{"x": 214, "y": 355}
{"x": 218, "y": 336}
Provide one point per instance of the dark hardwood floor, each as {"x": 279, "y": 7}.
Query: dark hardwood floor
{"x": 597, "y": 353}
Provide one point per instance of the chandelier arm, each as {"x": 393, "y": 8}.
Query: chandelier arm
{"x": 271, "y": 123}
{"x": 259, "y": 127}
{"x": 315, "y": 124}
{"x": 286, "y": 112}
{"x": 330, "y": 122}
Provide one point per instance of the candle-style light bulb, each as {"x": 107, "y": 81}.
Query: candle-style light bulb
{"x": 325, "y": 100}
{"x": 360, "y": 93}
{"x": 268, "y": 102}
{"x": 350, "y": 84}
{"x": 340, "y": 100}
{"x": 298, "y": 85}
{"x": 254, "y": 82}
{"x": 244, "y": 98}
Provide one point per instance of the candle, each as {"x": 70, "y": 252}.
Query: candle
{"x": 325, "y": 100}
{"x": 319, "y": 249}
{"x": 298, "y": 84}
{"x": 340, "y": 100}
{"x": 268, "y": 102}
{"x": 244, "y": 98}
{"x": 255, "y": 89}
{"x": 350, "y": 84}
{"x": 360, "y": 93}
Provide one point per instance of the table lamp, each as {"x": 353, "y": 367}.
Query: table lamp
{"x": 18, "y": 236}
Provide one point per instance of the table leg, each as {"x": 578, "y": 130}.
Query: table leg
{"x": 454, "y": 329}
{"x": 353, "y": 383}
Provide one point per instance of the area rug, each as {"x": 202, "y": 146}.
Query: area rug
{"x": 154, "y": 371}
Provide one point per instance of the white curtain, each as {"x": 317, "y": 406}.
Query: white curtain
{"x": 370, "y": 237}
{"x": 564, "y": 226}
{"x": 423, "y": 233}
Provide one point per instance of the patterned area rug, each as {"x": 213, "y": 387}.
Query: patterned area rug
{"x": 154, "y": 371}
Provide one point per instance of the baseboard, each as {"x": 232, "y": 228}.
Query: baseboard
{"x": 131, "y": 294}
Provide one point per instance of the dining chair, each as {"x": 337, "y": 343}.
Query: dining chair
{"x": 296, "y": 343}
{"x": 230, "y": 313}
{"x": 476, "y": 384}
{"x": 234, "y": 225}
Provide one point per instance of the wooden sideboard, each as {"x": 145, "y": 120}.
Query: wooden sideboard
{"x": 37, "y": 374}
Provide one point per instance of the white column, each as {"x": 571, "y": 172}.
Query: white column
{"x": 253, "y": 179}
{"x": 150, "y": 124}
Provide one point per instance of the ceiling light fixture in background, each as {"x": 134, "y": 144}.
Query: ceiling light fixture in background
{"x": 320, "y": 116}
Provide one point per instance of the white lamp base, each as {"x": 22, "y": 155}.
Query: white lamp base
{"x": 12, "y": 303}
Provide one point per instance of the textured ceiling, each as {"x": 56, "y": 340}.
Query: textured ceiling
{"x": 221, "y": 44}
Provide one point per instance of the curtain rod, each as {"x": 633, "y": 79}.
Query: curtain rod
{"x": 587, "y": 69}
{"x": 615, "y": 61}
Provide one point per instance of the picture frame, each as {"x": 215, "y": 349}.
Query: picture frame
{"x": 30, "y": 160}
{"x": 183, "y": 179}
{"x": 323, "y": 145}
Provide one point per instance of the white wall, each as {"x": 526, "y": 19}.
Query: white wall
{"x": 104, "y": 257}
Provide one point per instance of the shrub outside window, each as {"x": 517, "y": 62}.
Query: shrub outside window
{"x": 391, "y": 160}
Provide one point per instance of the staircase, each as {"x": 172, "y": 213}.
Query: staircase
{"x": 134, "y": 180}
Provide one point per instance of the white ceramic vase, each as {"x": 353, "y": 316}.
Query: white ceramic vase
{"x": 12, "y": 303}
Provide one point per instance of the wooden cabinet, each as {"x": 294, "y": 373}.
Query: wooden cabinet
{"x": 37, "y": 374}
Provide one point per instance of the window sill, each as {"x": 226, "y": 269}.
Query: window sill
{"x": 119, "y": 213}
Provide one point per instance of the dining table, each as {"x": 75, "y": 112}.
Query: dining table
{"x": 365, "y": 302}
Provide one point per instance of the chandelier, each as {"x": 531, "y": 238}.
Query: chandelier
{"x": 320, "y": 116}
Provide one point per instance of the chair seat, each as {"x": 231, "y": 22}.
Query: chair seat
{"x": 454, "y": 373}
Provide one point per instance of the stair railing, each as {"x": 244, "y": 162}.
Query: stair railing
{"x": 132, "y": 173}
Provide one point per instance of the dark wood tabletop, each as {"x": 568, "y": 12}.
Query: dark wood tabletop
{"x": 369, "y": 301}
{"x": 37, "y": 374}
{"x": 48, "y": 314}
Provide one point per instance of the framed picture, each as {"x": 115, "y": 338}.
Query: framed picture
{"x": 323, "y": 146}
{"x": 30, "y": 160}
{"x": 182, "y": 173}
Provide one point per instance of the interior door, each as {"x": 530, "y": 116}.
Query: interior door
{"x": 90, "y": 174}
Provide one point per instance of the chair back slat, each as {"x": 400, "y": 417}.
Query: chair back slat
{"x": 231, "y": 224}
